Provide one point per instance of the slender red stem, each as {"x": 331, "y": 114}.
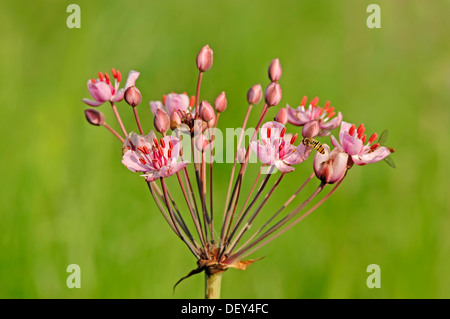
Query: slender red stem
{"x": 114, "y": 132}
{"x": 116, "y": 113}
{"x": 138, "y": 122}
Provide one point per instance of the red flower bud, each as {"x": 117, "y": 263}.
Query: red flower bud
{"x": 221, "y": 102}
{"x": 206, "y": 111}
{"x": 161, "y": 121}
{"x": 175, "y": 120}
{"x": 254, "y": 95}
{"x": 311, "y": 129}
{"x": 273, "y": 94}
{"x": 133, "y": 96}
{"x": 94, "y": 117}
{"x": 281, "y": 116}
{"x": 205, "y": 59}
{"x": 275, "y": 70}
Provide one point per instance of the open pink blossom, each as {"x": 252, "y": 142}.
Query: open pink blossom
{"x": 325, "y": 116}
{"x": 143, "y": 153}
{"x": 352, "y": 142}
{"x": 330, "y": 167}
{"x": 102, "y": 90}
{"x": 277, "y": 148}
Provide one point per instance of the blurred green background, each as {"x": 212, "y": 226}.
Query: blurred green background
{"x": 66, "y": 198}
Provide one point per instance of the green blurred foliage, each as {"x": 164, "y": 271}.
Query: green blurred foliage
{"x": 66, "y": 198}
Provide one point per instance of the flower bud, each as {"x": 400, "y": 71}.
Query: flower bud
{"x": 311, "y": 129}
{"x": 133, "y": 96}
{"x": 175, "y": 120}
{"x": 94, "y": 117}
{"x": 254, "y": 95}
{"x": 205, "y": 59}
{"x": 273, "y": 94}
{"x": 241, "y": 152}
{"x": 206, "y": 111}
{"x": 275, "y": 70}
{"x": 161, "y": 121}
{"x": 201, "y": 142}
{"x": 221, "y": 102}
{"x": 281, "y": 116}
{"x": 330, "y": 167}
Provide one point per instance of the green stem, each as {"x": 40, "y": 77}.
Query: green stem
{"x": 213, "y": 284}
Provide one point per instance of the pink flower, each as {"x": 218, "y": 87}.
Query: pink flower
{"x": 324, "y": 116}
{"x": 352, "y": 142}
{"x": 173, "y": 102}
{"x": 102, "y": 90}
{"x": 330, "y": 167}
{"x": 276, "y": 148}
{"x": 155, "y": 160}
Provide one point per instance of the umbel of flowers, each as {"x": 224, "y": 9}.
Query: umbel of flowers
{"x": 216, "y": 238}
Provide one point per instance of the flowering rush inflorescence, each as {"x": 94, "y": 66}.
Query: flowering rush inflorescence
{"x": 188, "y": 151}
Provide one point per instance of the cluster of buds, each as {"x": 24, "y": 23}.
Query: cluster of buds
{"x": 157, "y": 159}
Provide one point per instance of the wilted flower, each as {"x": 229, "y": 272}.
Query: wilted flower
{"x": 330, "y": 167}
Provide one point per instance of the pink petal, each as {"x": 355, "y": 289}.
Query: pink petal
{"x": 335, "y": 142}
{"x": 155, "y": 105}
{"x": 300, "y": 154}
{"x": 376, "y": 156}
{"x": 320, "y": 159}
{"x": 345, "y": 127}
{"x": 131, "y": 161}
{"x": 176, "y": 102}
{"x": 297, "y": 116}
{"x": 339, "y": 167}
{"x": 118, "y": 96}
{"x": 351, "y": 144}
{"x": 92, "y": 102}
{"x": 283, "y": 167}
{"x": 265, "y": 154}
{"x": 99, "y": 91}
{"x": 131, "y": 79}
{"x": 327, "y": 127}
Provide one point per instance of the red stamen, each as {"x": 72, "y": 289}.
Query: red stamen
{"x": 320, "y": 112}
{"x": 361, "y": 130}
{"x": 163, "y": 144}
{"x": 164, "y": 99}
{"x": 192, "y": 101}
{"x": 170, "y": 145}
{"x": 373, "y": 138}
{"x": 169, "y": 153}
{"x": 142, "y": 160}
{"x": 268, "y": 132}
{"x": 294, "y": 138}
{"x": 375, "y": 146}
{"x": 330, "y": 115}
{"x": 327, "y": 105}
{"x": 100, "y": 76}
{"x": 160, "y": 150}
{"x": 303, "y": 102}
{"x": 119, "y": 76}
{"x": 283, "y": 131}
{"x": 155, "y": 141}
{"x": 146, "y": 151}
{"x": 108, "y": 81}
{"x": 363, "y": 139}
{"x": 93, "y": 81}
{"x": 185, "y": 93}
{"x": 352, "y": 129}
{"x": 314, "y": 101}
{"x": 114, "y": 72}
{"x": 141, "y": 149}
{"x": 330, "y": 109}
